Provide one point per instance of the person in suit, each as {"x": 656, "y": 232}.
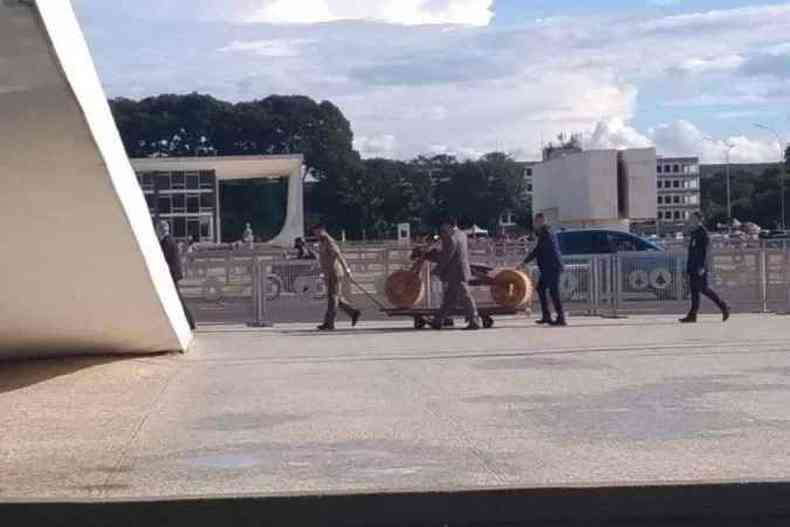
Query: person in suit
{"x": 335, "y": 270}
{"x": 173, "y": 259}
{"x": 697, "y": 270}
{"x": 547, "y": 253}
{"x": 453, "y": 269}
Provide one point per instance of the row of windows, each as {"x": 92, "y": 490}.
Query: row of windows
{"x": 677, "y": 169}
{"x": 180, "y": 203}
{"x": 676, "y": 215}
{"x": 676, "y": 183}
{"x": 678, "y": 200}
{"x": 203, "y": 180}
{"x": 196, "y": 229}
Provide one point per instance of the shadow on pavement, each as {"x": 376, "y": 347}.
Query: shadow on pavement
{"x": 15, "y": 375}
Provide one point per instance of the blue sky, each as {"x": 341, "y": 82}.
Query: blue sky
{"x": 467, "y": 76}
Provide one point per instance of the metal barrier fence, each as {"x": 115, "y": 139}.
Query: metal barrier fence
{"x": 266, "y": 287}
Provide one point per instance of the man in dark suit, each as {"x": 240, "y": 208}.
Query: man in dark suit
{"x": 697, "y": 270}
{"x": 173, "y": 259}
{"x": 453, "y": 269}
{"x": 547, "y": 253}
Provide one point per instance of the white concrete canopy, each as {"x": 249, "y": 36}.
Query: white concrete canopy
{"x": 229, "y": 168}
{"x": 82, "y": 270}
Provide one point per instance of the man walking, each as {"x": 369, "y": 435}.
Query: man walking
{"x": 335, "y": 270}
{"x": 547, "y": 253}
{"x": 697, "y": 270}
{"x": 453, "y": 269}
{"x": 173, "y": 259}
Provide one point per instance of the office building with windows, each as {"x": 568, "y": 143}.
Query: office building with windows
{"x": 188, "y": 193}
{"x": 678, "y": 181}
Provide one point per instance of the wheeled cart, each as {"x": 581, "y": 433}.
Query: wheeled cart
{"x": 422, "y": 316}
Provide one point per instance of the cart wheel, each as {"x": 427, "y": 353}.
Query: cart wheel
{"x": 419, "y": 322}
{"x": 488, "y": 322}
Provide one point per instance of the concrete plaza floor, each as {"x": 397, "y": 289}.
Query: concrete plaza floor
{"x": 384, "y": 407}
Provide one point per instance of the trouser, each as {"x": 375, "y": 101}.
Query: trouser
{"x": 699, "y": 286}
{"x": 455, "y": 294}
{"x": 550, "y": 285}
{"x": 335, "y": 299}
{"x": 187, "y": 312}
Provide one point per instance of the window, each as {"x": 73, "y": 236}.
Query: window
{"x": 528, "y": 172}
{"x": 660, "y": 183}
{"x": 660, "y": 200}
{"x": 660, "y": 215}
{"x": 676, "y": 200}
{"x": 149, "y": 200}
{"x": 658, "y": 169}
{"x": 163, "y": 181}
{"x": 676, "y": 168}
{"x": 667, "y": 169}
{"x": 675, "y": 184}
{"x": 584, "y": 242}
{"x": 193, "y": 181}
{"x": 677, "y": 214}
{"x": 180, "y": 227}
{"x": 148, "y": 181}
{"x": 179, "y": 182}
{"x": 163, "y": 205}
{"x": 193, "y": 203}
{"x": 529, "y": 187}
{"x": 205, "y": 228}
{"x": 207, "y": 180}
{"x": 179, "y": 204}
{"x": 207, "y": 201}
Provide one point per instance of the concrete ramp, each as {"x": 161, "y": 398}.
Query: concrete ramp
{"x": 81, "y": 271}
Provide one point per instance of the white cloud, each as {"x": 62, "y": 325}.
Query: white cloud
{"x": 407, "y": 12}
{"x": 269, "y": 48}
{"x": 409, "y": 88}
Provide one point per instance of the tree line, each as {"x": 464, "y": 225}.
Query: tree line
{"x": 755, "y": 197}
{"x": 364, "y": 197}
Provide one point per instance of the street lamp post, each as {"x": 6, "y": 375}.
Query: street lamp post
{"x": 729, "y": 146}
{"x": 781, "y": 167}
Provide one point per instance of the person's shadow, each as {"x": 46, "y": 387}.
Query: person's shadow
{"x": 18, "y": 374}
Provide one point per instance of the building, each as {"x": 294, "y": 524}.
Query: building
{"x": 187, "y": 193}
{"x": 678, "y": 185}
{"x": 597, "y": 188}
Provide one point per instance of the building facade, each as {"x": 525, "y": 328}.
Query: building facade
{"x": 678, "y": 181}
{"x": 187, "y": 200}
{"x": 188, "y": 194}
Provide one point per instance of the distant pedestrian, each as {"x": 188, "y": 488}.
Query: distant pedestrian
{"x": 547, "y": 253}
{"x": 453, "y": 269}
{"x": 697, "y": 270}
{"x": 303, "y": 251}
{"x": 335, "y": 270}
{"x": 173, "y": 259}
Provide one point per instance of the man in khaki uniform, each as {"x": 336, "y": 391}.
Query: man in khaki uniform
{"x": 453, "y": 269}
{"x": 335, "y": 270}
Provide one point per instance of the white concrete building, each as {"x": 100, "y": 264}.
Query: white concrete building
{"x": 82, "y": 270}
{"x": 186, "y": 191}
{"x": 597, "y": 188}
{"x": 678, "y": 185}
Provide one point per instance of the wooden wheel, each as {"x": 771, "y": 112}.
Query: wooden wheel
{"x": 511, "y": 288}
{"x": 404, "y": 289}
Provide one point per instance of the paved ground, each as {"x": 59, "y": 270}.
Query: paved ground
{"x": 384, "y": 407}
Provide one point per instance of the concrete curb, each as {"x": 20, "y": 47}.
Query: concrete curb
{"x": 731, "y": 504}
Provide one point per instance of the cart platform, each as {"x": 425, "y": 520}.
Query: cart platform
{"x": 422, "y": 314}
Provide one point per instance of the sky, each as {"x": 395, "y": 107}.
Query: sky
{"x": 466, "y": 77}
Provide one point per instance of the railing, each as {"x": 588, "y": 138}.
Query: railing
{"x": 264, "y": 287}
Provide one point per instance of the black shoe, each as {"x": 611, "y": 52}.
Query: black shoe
{"x": 355, "y": 317}
{"x": 326, "y": 327}
{"x": 725, "y": 313}
{"x": 690, "y": 319}
{"x": 473, "y": 326}
{"x": 560, "y": 322}
{"x": 543, "y": 321}
{"x": 448, "y": 323}
{"x": 437, "y": 325}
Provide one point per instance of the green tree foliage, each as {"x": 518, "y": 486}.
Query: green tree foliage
{"x": 754, "y": 198}
{"x": 367, "y": 198}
